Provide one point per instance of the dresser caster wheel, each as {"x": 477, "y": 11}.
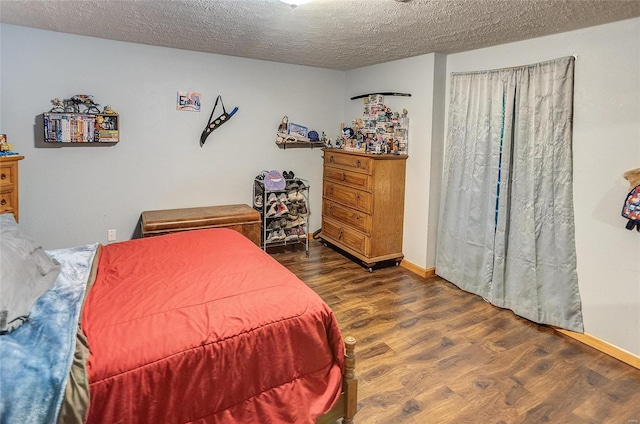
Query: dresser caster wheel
{"x": 397, "y": 263}
{"x": 370, "y": 269}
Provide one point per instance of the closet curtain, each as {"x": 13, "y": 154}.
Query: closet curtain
{"x": 506, "y": 229}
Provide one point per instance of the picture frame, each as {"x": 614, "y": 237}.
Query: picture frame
{"x": 298, "y": 129}
{"x": 188, "y": 101}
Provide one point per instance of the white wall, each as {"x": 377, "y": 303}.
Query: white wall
{"x": 72, "y": 195}
{"x": 606, "y": 144}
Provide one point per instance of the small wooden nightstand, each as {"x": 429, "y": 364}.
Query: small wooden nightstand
{"x": 9, "y": 184}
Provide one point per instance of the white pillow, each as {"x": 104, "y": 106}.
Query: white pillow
{"x": 26, "y": 273}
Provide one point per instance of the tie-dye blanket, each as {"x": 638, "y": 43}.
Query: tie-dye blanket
{"x": 35, "y": 358}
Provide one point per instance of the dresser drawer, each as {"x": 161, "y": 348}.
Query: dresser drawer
{"x": 347, "y": 196}
{"x": 348, "y": 161}
{"x": 7, "y": 200}
{"x": 355, "y": 179}
{"x": 351, "y": 217}
{"x": 7, "y": 174}
{"x": 346, "y": 236}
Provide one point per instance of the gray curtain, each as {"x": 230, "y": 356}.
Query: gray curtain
{"x": 506, "y": 229}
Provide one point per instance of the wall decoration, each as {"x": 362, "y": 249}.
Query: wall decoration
{"x": 215, "y": 123}
{"x": 298, "y": 129}
{"x": 188, "y": 100}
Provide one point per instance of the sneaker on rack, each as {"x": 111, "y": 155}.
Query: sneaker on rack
{"x": 302, "y": 232}
{"x": 273, "y": 209}
{"x": 282, "y": 197}
{"x": 302, "y": 209}
{"x": 281, "y": 209}
{"x": 257, "y": 201}
{"x": 291, "y": 235}
{"x": 280, "y": 235}
{"x": 295, "y": 223}
{"x": 271, "y": 237}
{"x": 272, "y": 198}
{"x": 274, "y": 225}
{"x": 258, "y": 187}
{"x": 300, "y": 196}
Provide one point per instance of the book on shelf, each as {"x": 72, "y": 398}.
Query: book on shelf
{"x": 79, "y": 128}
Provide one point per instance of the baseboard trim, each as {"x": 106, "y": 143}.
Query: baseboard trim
{"x": 604, "y": 347}
{"x": 426, "y": 273}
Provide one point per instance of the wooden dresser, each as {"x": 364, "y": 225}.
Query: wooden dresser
{"x": 9, "y": 184}
{"x": 363, "y": 204}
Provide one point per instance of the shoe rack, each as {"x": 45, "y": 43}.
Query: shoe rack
{"x": 283, "y": 213}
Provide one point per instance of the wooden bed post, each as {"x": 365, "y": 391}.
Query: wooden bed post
{"x": 347, "y": 404}
{"x": 350, "y": 383}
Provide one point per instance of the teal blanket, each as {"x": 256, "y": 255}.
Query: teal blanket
{"x": 35, "y": 359}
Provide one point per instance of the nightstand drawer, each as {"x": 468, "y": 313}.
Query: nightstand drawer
{"x": 355, "y": 179}
{"x": 349, "y": 161}
{"x": 7, "y": 176}
{"x": 348, "y": 196}
{"x": 351, "y": 217}
{"x": 7, "y": 200}
{"x": 346, "y": 236}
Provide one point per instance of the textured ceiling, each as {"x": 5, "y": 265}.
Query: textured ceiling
{"x": 335, "y": 34}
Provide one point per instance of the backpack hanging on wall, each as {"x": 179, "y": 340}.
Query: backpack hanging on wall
{"x": 631, "y": 209}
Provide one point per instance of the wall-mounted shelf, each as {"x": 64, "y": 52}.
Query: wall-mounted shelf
{"x": 300, "y": 144}
{"x": 81, "y": 128}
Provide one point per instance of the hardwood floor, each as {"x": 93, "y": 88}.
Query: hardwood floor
{"x": 428, "y": 352}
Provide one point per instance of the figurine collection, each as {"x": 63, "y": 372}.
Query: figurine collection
{"x": 380, "y": 130}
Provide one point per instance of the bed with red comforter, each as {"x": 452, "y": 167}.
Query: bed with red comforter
{"x": 204, "y": 327}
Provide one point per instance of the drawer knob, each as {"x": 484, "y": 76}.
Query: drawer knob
{"x": 358, "y": 163}
{"x": 331, "y": 190}
{"x": 3, "y": 202}
{"x": 3, "y": 177}
{"x": 343, "y": 176}
{"x": 358, "y": 196}
{"x": 331, "y": 159}
{"x": 340, "y": 235}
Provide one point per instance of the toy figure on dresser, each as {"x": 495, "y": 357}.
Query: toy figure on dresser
{"x": 5, "y": 147}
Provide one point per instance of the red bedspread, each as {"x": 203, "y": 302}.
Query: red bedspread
{"x": 202, "y": 326}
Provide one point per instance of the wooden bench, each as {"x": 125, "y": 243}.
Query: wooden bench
{"x": 241, "y": 218}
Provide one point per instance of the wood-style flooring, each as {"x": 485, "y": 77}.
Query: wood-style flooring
{"x": 428, "y": 352}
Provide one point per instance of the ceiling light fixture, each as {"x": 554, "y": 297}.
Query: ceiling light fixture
{"x": 295, "y": 3}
